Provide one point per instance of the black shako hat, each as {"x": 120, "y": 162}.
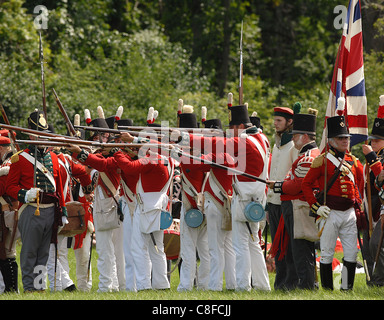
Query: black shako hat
{"x": 213, "y": 124}
{"x": 377, "y": 129}
{"x": 124, "y": 123}
{"x": 304, "y": 123}
{"x": 111, "y": 122}
{"x": 96, "y": 123}
{"x": 37, "y": 121}
{"x": 239, "y": 115}
{"x": 188, "y": 120}
{"x": 378, "y": 124}
{"x": 255, "y": 121}
{"x": 337, "y": 127}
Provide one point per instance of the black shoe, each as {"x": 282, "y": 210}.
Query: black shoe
{"x": 71, "y": 288}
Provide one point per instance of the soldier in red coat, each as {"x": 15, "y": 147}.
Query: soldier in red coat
{"x": 8, "y": 223}
{"x": 374, "y": 155}
{"x": 36, "y": 185}
{"x": 109, "y": 232}
{"x": 251, "y": 155}
{"x": 336, "y": 215}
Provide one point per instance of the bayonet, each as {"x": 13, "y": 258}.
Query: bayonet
{"x": 241, "y": 67}
{"x": 41, "y": 57}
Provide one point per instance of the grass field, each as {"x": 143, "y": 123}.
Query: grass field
{"x": 360, "y": 292}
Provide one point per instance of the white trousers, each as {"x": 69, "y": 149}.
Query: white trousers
{"x": 339, "y": 224}
{"x": 110, "y": 263}
{"x": 148, "y": 262}
{"x": 84, "y": 283}
{"x": 128, "y": 208}
{"x": 62, "y": 277}
{"x": 193, "y": 240}
{"x": 250, "y": 262}
{"x": 222, "y": 255}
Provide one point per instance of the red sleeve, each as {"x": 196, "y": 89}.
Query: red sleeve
{"x": 292, "y": 186}
{"x": 79, "y": 172}
{"x": 359, "y": 189}
{"x": 310, "y": 180}
{"x": 376, "y": 168}
{"x": 3, "y": 181}
{"x": 20, "y": 177}
{"x": 98, "y": 162}
{"x": 128, "y": 165}
{"x": 245, "y": 154}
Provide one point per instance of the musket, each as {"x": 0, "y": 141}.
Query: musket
{"x": 163, "y": 129}
{"x": 41, "y": 57}
{"x": 241, "y": 67}
{"x": 369, "y": 199}
{"x": 32, "y": 131}
{"x": 380, "y": 244}
{"x": 214, "y": 164}
{"x": 37, "y": 211}
{"x": 134, "y": 130}
{"x": 68, "y": 122}
{"x": 363, "y": 255}
{"x": 96, "y": 144}
{"x": 66, "y": 140}
{"x": 11, "y": 136}
{"x": 90, "y": 257}
{"x": 118, "y": 131}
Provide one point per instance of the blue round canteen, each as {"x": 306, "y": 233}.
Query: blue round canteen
{"x": 193, "y": 218}
{"x": 254, "y": 212}
{"x": 165, "y": 220}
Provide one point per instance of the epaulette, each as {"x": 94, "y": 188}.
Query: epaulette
{"x": 354, "y": 159}
{"x": 318, "y": 161}
{"x": 15, "y": 157}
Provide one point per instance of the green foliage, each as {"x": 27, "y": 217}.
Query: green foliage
{"x": 147, "y": 53}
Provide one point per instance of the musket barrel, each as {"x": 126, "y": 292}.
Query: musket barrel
{"x": 92, "y": 144}
{"x": 31, "y": 131}
{"x": 68, "y": 122}
{"x": 202, "y": 130}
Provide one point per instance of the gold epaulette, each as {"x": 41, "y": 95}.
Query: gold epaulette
{"x": 354, "y": 159}
{"x": 15, "y": 157}
{"x": 318, "y": 161}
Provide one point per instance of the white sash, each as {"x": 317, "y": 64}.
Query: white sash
{"x": 108, "y": 183}
{"x": 127, "y": 191}
{"x": 40, "y": 167}
{"x": 191, "y": 190}
{"x": 246, "y": 192}
{"x": 150, "y": 204}
{"x": 336, "y": 162}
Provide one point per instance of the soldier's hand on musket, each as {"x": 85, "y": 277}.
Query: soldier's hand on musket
{"x": 88, "y": 197}
{"x": 174, "y": 136}
{"x": 126, "y": 137}
{"x": 270, "y": 184}
{"x": 324, "y": 211}
{"x": 366, "y": 149}
{"x": 74, "y": 148}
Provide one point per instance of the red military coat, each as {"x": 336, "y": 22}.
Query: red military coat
{"x": 344, "y": 191}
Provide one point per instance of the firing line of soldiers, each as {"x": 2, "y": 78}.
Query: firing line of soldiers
{"x": 222, "y": 214}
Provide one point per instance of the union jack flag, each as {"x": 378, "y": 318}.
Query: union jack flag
{"x": 348, "y": 78}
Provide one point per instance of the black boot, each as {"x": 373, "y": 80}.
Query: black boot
{"x": 326, "y": 275}
{"x": 348, "y": 275}
{"x": 9, "y": 269}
